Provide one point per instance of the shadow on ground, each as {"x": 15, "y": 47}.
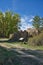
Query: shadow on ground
{"x": 8, "y": 40}
{"x": 19, "y": 56}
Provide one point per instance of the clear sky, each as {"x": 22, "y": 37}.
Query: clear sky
{"x": 26, "y": 8}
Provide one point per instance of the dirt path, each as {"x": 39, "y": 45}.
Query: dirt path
{"x": 26, "y": 56}
{"x": 30, "y": 54}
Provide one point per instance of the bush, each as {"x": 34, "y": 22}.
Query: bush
{"x": 36, "y": 40}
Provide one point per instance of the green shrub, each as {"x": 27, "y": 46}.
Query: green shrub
{"x": 36, "y": 40}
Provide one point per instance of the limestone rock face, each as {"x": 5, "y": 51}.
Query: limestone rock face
{"x": 32, "y": 32}
{"x": 11, "y": 36}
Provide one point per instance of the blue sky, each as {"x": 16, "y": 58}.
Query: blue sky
{"x": 26, "y": 8}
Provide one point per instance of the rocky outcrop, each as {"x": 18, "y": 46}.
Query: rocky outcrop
{"x": 32, "y": 32}
{"x": 17, "y": 35}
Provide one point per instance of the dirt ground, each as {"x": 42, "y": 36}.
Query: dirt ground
{"x": 19, "y": 56}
